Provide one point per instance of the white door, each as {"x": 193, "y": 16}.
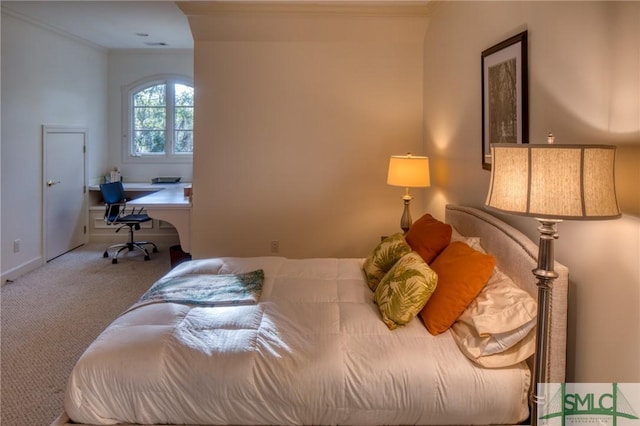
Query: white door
{"x": 64, "y": 202}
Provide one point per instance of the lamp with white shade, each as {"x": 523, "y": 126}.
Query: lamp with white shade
{"x": 408, "y": 171}
{"x": 551, "y": 183}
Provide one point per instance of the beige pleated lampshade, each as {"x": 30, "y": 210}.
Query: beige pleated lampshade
{"x": 554, "y": 181}
{"x": 409, "y": 171}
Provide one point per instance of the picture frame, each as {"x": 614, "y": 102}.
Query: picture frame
{"x": 505, "y": 103}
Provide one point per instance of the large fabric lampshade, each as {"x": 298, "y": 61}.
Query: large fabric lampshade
{"x": 554, "y": 181}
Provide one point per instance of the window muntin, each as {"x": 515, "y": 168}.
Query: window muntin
{"x": 160, "y": 117}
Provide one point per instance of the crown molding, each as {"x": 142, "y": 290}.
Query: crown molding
{"x": 307, "y": 8}
{"x": 7, "y": 11}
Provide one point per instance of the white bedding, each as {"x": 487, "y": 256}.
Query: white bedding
{"x": 312, "y": 351}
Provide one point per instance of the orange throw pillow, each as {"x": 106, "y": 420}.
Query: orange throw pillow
{"x": 428, "y": 237}
{"x": 462, "y": 274}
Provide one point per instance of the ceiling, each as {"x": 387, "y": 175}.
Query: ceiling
{"x": 129, "y": 24}
{"x": 110, "y": 24}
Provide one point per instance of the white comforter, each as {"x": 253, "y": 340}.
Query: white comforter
{"x": 312, "y": 351}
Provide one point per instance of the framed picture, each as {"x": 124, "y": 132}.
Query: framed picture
{"x": 505, "y": 111}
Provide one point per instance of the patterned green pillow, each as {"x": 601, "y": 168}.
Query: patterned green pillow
{"x": 404, "y": 290}
{"x": 383, "y": 257}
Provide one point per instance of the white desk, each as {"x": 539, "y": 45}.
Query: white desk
{"x": 145, "y": 186}
{"x": 172, "y": 206}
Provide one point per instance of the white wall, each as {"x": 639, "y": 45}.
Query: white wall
{"x": 297, "y": 114}
{"x": 125, "y": 68}
{"x": 584, "y": 86}
{"x": 46, "y": 79}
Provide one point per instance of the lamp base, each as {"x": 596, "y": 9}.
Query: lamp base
{"x": 405, "y": 220}
{"x": 545, "y": 275}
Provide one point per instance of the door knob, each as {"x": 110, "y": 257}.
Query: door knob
{"x": 51, "y": 183}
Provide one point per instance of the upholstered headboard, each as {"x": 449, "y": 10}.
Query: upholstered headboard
{"x": 516, "y": 255}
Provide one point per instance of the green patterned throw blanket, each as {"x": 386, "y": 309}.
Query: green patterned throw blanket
{"x": 206, "y": 289}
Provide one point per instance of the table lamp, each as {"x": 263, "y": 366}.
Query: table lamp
{"x": 551, "y": 183}
{"x": 409, "y": 171}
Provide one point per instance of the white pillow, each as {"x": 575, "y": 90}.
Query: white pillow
{"x": 498, "y": 327}
{"x": 473, "y": 242}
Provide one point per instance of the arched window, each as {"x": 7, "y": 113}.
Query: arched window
{"x": 159, "y": 116}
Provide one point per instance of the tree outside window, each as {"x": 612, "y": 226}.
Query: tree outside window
{"x": 183, "y": 119}
{"x": 161, "y": 119}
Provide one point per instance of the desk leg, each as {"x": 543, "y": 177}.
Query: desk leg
{"x": 179, "y": 218}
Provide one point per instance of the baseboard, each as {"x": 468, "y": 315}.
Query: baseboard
{"x": 14, "y": 273}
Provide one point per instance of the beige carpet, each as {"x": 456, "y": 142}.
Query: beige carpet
{"x": 49, "y": 317}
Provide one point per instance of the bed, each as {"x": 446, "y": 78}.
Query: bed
{"x": 314, "y": 346}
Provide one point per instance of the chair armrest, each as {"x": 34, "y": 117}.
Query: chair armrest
{"x": 122, "y": 211}
{"x": 112, "y": 218}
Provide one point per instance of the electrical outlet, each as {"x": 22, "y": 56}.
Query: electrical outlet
{"x": 275, "y": 246}
{"x": 16, "y": 246}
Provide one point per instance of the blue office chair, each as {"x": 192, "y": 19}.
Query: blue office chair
{"x": 115, "y": 214}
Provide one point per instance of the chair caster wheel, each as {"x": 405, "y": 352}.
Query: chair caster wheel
{"x": 105, "y": 254}
{"x": 114, "y": 261}
{"x": 155, "y": 249}
{"x": 147, "y": 258}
